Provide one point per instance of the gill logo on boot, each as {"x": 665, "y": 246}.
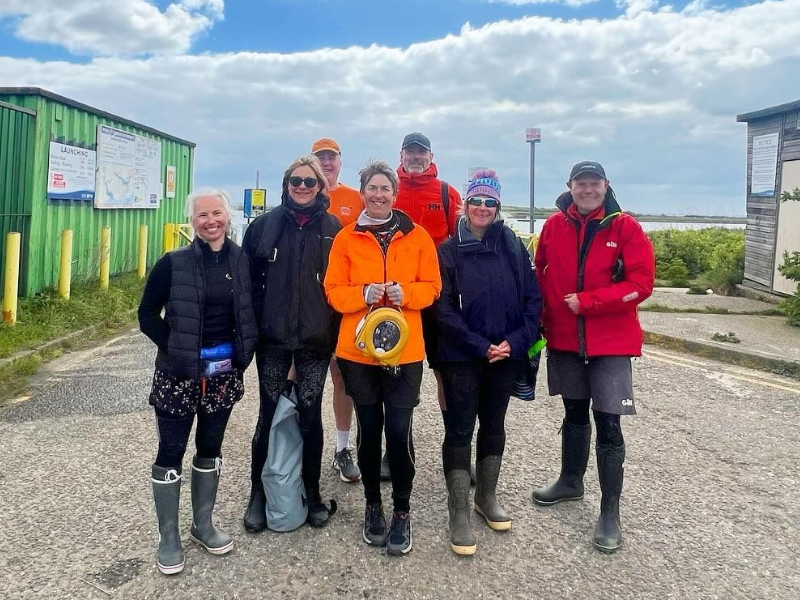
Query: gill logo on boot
{"x": 626, "y": 402}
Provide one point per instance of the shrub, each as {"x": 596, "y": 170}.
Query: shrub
{"x": 677, "y": 273}
{"x": 791, "y": 270}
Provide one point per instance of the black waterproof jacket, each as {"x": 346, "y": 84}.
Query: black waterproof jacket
{"x": 489, "y": 294}
{"x": 288, "y": 262}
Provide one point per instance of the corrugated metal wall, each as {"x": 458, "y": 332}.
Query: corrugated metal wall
{"x": 17, "y": 130}
{"x": 70, "y": 125}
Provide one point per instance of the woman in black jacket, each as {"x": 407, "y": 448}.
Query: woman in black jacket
{"x": 489, "y": 314}
{"x": 205, "y": 342}
{"x": 288, "y": 249}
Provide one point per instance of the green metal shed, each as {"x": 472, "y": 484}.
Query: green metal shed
{"x": 32, "y": 118}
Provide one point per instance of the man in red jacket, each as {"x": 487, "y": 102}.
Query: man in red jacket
{"x": 595, "y": 266}
{"x": 435, "y": 205}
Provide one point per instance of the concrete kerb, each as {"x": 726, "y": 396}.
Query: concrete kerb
{"x": 786, "y": 368}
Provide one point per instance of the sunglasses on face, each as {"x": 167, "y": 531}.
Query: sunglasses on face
{"x": 488, "y": 202}
{"x": 309, "y": 181}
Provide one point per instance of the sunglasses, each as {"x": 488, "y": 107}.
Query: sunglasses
{"x": 309, "y": 181}
{"x": 488, "y": 202}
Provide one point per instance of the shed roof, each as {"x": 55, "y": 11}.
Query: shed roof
{"x": 768, "y": 112}
{"x": 35, "y": 91}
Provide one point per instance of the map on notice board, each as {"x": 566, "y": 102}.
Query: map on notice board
{"x": 128, "y": 170}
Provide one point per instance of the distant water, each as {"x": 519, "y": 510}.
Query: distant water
{"x": 522, "y": 226}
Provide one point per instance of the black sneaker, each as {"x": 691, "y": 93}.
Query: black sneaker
{"x": 318, "y": 511}
{"x": 374, "y": 532}
{"x": 348, "y": 470}
{"x": 399, "y": 540}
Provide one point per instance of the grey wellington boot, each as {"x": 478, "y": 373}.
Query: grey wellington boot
{"x": 486, "y": 504}
{"x": 167, "y": 497}
{"x": 205, "y": 479}
{"x": 610, "y": 467}
{"x": 462, "y": 539}
{"x": 575, "y": 442}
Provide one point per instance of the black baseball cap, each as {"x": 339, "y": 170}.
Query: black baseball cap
{"x": 587, "y": 167}
{"x": 418, "y": 139}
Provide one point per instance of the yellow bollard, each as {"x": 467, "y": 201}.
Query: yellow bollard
{"x": 65, "y": 266}
{"x": 141, "y": 266}
{"x": 105, "y": 256}
{"x": 169, "y": 237}
{"x": 11, "y": 287}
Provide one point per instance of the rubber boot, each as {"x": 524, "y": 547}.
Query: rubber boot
{"x": 167, "y": 497}
{"x": 575, "y": 442}
{"x": 205, "y": 479}
{"x": 610, "y": 467}
{"x": 255, "y": 517}
{"x": 486, "y": 504}
{"x": 462, "y": 539}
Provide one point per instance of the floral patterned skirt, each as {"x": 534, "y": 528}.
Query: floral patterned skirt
{"x": 184, "y": 397}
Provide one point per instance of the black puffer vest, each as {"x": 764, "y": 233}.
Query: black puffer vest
{"x": 184, "y": 311}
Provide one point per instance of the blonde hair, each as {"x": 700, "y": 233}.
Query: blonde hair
{"x": 311, "y": 161}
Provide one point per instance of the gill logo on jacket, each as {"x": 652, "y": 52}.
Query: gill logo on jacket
{"x": 611, "y": 244}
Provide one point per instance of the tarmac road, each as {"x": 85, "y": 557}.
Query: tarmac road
{"x": 709, "y": 509}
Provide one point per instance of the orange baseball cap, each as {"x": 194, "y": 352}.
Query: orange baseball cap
{"x": 325, "y": 144}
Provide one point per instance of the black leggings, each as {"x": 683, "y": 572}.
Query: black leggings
{"x": 173, "y": 435}
{"x": 399, "y": 446}
{"x": 482, "y": 390}
{"x": 384, "y": 399}
{"x": 273, "y": 366}
{"x": 609, "y": 429}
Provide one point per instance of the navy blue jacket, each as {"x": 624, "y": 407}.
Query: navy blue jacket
{"x": 489, "y": 294}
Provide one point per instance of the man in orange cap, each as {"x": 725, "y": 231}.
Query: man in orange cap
{"x": 346, "y": 205}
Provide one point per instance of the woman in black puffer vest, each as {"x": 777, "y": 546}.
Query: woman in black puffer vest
{"x": 288, "y": 249}
{"x": 205, "y": 341}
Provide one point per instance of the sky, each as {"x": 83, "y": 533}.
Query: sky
{"x": 650, "y": 89}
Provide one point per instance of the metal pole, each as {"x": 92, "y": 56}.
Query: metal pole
{"x": 11, "y": 286}
{"x": 141, "y": 263}
{"x": 533, "y": 171}
{"x": 105, "y": 256}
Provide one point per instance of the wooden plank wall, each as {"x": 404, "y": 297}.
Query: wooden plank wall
{"x": 762, "y": 213}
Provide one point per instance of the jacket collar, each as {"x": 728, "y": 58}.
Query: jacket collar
{"x": 468, "y": 243}
{"x": 612, "y": 209}
{"x": 404, "y": 223}
{"x": 407, "y": 178}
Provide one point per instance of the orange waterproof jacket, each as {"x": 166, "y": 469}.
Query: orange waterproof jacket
{"x": 356, "y": 260}
{"x": 420, "y": 197}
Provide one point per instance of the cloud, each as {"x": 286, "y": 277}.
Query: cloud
{"x": 653, "y": 96}
{"x": 526, "y": 2}
{"x": 112, "y": 27}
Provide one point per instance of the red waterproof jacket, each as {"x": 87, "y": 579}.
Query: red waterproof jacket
{"x": 609, "y": 261}
{"x": 420, "y": 197}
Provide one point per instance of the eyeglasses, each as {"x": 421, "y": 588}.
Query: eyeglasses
{"x": 487, "y": 202}
{"x": 309, "y": 181}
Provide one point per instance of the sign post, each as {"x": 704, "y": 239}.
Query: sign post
{"x": 533, "y": 135}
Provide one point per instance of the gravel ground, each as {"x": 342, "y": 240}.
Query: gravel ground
{"x": 709, "y": 507}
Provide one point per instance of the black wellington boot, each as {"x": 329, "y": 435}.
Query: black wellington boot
{"x": 575, "y": 442}
{"x": 610, "y": 467}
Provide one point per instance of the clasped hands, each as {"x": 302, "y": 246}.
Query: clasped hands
{"x": 374, "y": 293}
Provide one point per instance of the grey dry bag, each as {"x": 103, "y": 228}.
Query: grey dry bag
{"x": 286, "y": 505}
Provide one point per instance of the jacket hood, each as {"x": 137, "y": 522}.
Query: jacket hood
{"x": 610, "y": 204}
{"x": 431, "y": 172}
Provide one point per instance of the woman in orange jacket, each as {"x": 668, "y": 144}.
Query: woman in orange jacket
{"x": 383, "y": 259}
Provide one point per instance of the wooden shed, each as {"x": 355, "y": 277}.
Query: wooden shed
{"x": 773, "y": 167}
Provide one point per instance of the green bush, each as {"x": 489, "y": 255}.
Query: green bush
{"x": 791, "y": 270}
{"x": 715, "y": 253}
{"x": 677, "y": 273}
